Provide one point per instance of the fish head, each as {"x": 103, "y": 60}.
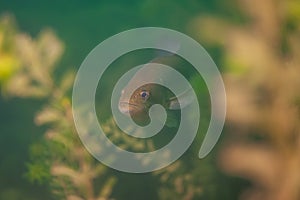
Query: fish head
{"x": 141, "y": 99}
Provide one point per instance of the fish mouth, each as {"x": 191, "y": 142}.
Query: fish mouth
{"x": 127, "y": 107}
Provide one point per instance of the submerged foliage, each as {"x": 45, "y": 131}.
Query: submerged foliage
{"x": 258, "y": 47}
{"x": 262, "y": 78}
{"x": 59, "y": 159}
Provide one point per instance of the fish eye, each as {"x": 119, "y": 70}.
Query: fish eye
{"x": 144, "y": 94}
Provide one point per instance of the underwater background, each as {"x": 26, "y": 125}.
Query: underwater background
{"x": 256, "y": 46}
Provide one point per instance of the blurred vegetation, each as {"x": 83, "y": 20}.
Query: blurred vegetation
{"x": 58, "y": 159}
{"x": 255, "y": 43}
{"x": 261, "y": 57}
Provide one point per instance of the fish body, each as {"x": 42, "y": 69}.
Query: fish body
{"x": 138, "y": 104}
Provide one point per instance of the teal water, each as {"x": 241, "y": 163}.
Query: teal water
{"x": 81, "y": 26}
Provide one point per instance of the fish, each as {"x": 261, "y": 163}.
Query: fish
{"x": 138, "y": 104}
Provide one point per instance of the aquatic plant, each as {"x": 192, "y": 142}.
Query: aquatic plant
{"x": 59, "y": 159}
{"x": 261, "y": 59}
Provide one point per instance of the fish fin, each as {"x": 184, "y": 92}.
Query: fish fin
{"x": 186, "y": 98}
{"x": 172, "y": 120}
{"x": 173, "y": 46}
